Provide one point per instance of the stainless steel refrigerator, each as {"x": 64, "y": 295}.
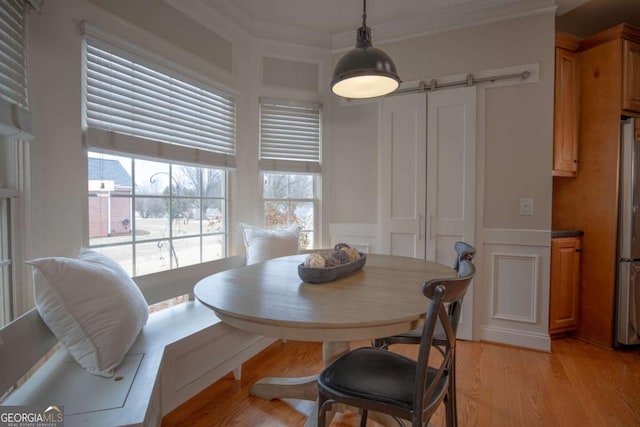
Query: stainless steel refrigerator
{"x": 628, "y": 282}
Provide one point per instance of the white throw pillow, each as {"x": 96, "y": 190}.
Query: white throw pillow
{"x": 263, "y": 244}
{"x": 92, "y": 306}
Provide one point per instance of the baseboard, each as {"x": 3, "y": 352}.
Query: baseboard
{"x": 516, "y": 338}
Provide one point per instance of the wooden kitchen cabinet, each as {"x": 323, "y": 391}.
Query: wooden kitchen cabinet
{"x": 566, "y": 107}
{"x": 564, "y": 303}
{"x": 631, "y": 77}
{"x": 589, "y": 202}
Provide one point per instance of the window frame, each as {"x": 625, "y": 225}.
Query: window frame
{"x": 13, "y": 212}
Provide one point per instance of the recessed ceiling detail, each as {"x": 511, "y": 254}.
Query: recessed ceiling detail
{"x": 329, "y": 24}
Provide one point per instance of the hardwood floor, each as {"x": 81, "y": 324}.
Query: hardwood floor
{"x": 577, "y": 384}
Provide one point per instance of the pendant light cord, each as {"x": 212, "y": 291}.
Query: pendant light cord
{"x": 364, "y": 13}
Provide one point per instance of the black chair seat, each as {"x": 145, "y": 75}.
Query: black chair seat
{"x": 377, "y": 375}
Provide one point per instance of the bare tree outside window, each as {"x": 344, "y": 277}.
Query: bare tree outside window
{"x": 290, "y": 199}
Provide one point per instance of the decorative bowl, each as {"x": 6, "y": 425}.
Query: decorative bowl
{"x": 329, "y": 274}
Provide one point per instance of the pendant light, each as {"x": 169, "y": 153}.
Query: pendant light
{"x": 364, "y": 71}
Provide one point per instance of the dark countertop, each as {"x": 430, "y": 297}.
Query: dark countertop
{"x": 566, "y": 233}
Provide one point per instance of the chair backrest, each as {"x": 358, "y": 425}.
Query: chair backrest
{"x": 439, "y": 292}
{"x": 463, "y": 251}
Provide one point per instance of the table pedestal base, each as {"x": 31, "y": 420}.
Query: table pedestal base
{"x": 304, "y": 388}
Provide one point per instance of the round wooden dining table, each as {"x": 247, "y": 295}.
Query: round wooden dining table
{"x": 269, "y": 298}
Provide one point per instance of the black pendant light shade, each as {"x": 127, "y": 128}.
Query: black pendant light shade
{"x": 364, "y": 71}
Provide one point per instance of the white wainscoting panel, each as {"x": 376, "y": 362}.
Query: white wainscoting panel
{"x": 515, "y": 287}
{"x": 364, "y": 237}
{"x": 512, "y": 288}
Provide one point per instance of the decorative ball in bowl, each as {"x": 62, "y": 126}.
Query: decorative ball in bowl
{"x": 329, "y": 265}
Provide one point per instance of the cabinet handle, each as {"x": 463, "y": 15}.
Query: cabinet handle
{"x": 579, "y": 251}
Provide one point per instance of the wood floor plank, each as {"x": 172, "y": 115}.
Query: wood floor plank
{"x": 577, "y": 384}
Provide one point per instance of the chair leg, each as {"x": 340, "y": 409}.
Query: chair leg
{"x": 322, "y": 411}
{"x": 363, "y": 418}
{"x": 450, "y": 404}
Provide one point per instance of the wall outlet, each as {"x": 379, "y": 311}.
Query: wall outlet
{"x": 526, "y": 206}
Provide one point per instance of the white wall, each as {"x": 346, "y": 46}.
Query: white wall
{"x": 514, "y": 151}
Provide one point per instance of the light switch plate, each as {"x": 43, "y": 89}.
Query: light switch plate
{"x": 526, "y": 206}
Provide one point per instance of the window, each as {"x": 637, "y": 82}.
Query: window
{"x": 152, "y": 216}
{"x": 290, "y": 164}
{"x": 11, "y": 159}
{"x": 290, "y": 199}
{"x": 160, "y": 147}
{"x": 15, "y": 126}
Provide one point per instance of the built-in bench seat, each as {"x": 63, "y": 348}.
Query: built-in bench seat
{"x": 180, "y": 351}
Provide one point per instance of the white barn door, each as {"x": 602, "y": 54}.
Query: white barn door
{"x": 402, "y": 161}
{"x": 427, "y": 177}
{"x": 451, "y": 179}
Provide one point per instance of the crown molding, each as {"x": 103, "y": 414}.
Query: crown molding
{"x": 446, "y": 20}
{"x": 439, "y": 20}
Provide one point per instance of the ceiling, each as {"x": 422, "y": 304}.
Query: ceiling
{"x": 597, "y": 15}
{"x": 331, "y": 24}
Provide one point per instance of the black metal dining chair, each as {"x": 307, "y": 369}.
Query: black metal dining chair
{"x": 464, "y": 251}
{"x": 374, "y": 379}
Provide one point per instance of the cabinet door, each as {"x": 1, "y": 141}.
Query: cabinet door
{"x": 566, "y": 120}
{"x": 631, "y": 77}
{"x": 565, "y": 284}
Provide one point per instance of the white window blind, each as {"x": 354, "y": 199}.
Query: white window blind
{"x": 289, "y": 136}
{"x": 13, "y": 82}
{"x": 14, "y": 106}
{"x": 136, "y": 107}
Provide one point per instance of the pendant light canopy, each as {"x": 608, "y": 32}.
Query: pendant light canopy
{"x": 364, "y": 71}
